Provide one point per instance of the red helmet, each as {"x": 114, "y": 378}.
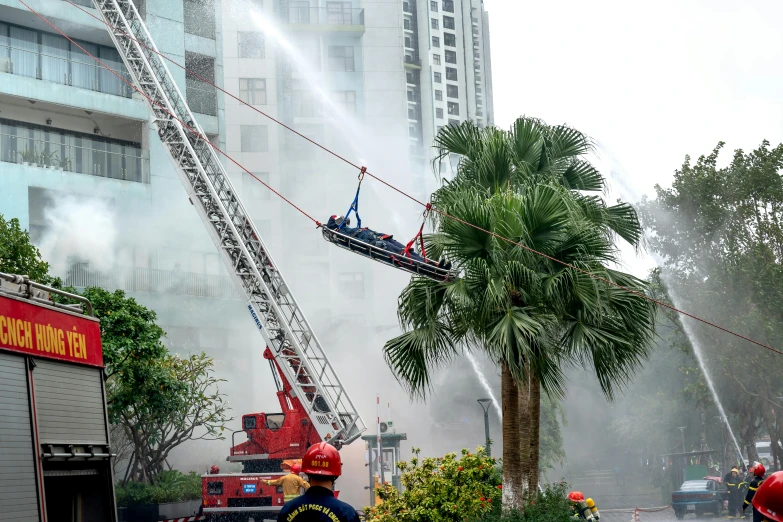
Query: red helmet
{"x": 769, "y": 498}
{"x": 214, "y": 470}
{"x": 759, "y": 470}
{"x": 576, "y": 496}
{"x": 322, "y": 459}
{"x": 296, "y": 469}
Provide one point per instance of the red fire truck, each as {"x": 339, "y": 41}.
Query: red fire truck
{"x": 54, "y": 435}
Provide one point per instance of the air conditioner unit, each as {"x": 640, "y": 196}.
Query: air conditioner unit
{"x": 5, "y": 65}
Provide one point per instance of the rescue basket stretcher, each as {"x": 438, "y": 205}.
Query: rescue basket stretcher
{"x": 380, "y": 255}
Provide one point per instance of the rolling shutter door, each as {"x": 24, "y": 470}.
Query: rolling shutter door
{"x": 69, "y": 404}
{"x": 18, "y": 497}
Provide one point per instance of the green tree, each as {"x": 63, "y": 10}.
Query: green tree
{"x": 451, "y": 488}
{"x": 530, "y": 314}
{"x": 18, "y": 255}
{"x": 719, "y": 233}
{"x": 160, "y": 400}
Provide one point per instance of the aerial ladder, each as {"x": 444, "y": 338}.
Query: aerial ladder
{"x": 292, "y": 346}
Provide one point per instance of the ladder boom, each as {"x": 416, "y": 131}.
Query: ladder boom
{"x": 278, "y": 317}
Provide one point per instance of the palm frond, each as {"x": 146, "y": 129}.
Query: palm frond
{"x": 581, "y": 175}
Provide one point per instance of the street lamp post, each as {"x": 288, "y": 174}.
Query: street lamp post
{"x": 485, "y": 403}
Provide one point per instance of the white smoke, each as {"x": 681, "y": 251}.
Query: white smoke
{"x": 79, "y": 230}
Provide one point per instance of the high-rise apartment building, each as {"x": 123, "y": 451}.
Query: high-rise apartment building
{"x": 448, "y": 73}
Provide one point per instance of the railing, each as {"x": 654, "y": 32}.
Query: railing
{"x": 154, "y": 280}
{"x": 322, "y": 16}
{"x": 65, "y": 71}
{"x": 128, "y": 165}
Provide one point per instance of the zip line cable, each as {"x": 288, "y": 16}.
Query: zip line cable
{"x": 364, "y": 170}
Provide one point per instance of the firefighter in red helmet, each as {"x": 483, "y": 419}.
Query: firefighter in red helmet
{"x": 768, "y": 500}
{"x": 322, "y": 465}
{"x": 758, "y": 471}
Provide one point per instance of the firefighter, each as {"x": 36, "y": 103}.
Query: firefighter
{"x": 758, "y": 480}
{"x": 292, "y": 483}
{"x": 322, "y": 465}
{"x": 736, "y": 489}
{"x": 768, "y": 500}
{"x": 579, "y": 506}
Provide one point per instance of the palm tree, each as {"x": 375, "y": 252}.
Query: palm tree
{"x": 530, "y": 314}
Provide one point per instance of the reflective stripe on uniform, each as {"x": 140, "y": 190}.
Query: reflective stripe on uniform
{"x": 753, "y": 489}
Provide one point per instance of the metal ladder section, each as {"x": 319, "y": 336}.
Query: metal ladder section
{"x": 269, "y": 301}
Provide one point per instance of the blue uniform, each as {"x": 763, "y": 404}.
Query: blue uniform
{"x": 317, "y": 505}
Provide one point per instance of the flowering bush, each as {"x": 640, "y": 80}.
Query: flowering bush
{"x": 449, "y": 488}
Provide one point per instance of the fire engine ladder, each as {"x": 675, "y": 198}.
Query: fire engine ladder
{"x": 269, "y": 301}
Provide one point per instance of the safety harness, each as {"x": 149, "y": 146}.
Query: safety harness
{"x": 355, "y": 205}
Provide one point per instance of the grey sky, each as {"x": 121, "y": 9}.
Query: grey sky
{"x": 650, "y": 81}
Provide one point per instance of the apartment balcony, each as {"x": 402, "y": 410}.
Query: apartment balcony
{"x": 413, "y": 63}
{"x": 320, "y": 19}
{"x": 151, "y": 280}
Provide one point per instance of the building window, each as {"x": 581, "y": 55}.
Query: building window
{"x": 254, "y": 138}
{"x": 346, "y": 100}
{"x": 434, "y": 6}
{"x": 338, "y": 13}
{"x": 451, "y": 57}
{"x": 411, "y": 114}
{"x": 406, "y": 24}
{"x": 448, "y": 22}
{"x": 439, "y": 113}
{"x": 305, "y": 104}
{"x": 252, "y": 91}
{"x": 351, "y": 285}
{"x": 202, "y": 97}
{"x": 200, "y": 18}
{"x": 409, "y": 78}
{"x": 435, "y": 23}
{"x": 51, "y": 58}
{"x": 436, "y": 59}
{"x": 448, "y": 6}
{"x": 453, "y": 108}
{"x": 454, "y": 123}
{"x": 451, "y": 74}
{"x": 406, "y": 7}
{"x": 435, "y": 41}
{"x": 252, "y": 189}
{"x": 341, "y": 58}
{"x": 449, "y": 39}
{"x": 438, "y": 95}
{"x": 299, "y": 12}
{"x": 438, "y": 78}
{"x": 452, "y": 91}
{"x": 251, "y": 45}
{"x": 412, "y": 131}
{"x": 411, "y": 96}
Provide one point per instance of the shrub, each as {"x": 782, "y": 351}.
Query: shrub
{"x": 171, "y": 486}
{"x": 550, "y": 505}
{"x": 444, "y": 489}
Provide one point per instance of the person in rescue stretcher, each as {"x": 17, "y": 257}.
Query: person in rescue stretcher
{"x": 380, "y": 240}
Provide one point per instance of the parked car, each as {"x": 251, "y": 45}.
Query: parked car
{"x": 699, "y": 497}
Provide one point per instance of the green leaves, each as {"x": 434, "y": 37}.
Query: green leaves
{"x": 451, "y": 488}
{"x": 522, "y": 308}
{"x": 18, "y": 255}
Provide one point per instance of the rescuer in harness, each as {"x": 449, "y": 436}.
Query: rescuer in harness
{"x": 736, "y": 489}
{"x": 322, "y": 465}
{"x": 768, "y": 500}
{"x": 758, "y": 471}
{"x": 292, "y": 483}
{"x": 380, "y": 240}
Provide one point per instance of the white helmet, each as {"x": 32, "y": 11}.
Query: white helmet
{"x": 340, "y": 219}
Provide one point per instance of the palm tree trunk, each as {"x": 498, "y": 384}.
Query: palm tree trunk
{"x": 535, "y": 431}
{"x": 524, "y": 434}
{"x": 512, "y": 465}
